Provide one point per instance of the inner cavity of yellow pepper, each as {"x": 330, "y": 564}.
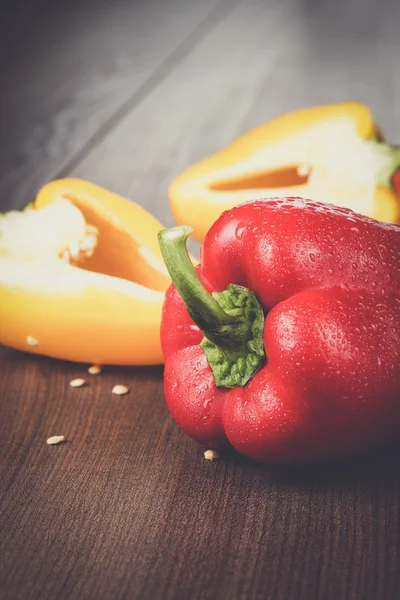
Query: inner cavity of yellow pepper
{"x": 117, "y": 252}
{"x": 284, "y": 177}
{"x": 344, "y": 169}
{"x": 81, "y": 277}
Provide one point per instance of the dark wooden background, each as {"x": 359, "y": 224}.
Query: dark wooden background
{"x": 127, "y": 94}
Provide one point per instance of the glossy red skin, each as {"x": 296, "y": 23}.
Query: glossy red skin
{"x": 329, "y": 282}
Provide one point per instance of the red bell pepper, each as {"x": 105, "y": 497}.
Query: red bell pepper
{"x": 396, "y": 184}
{"x": 285, "y": 341}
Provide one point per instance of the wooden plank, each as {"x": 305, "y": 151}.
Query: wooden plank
{"x": 264, "y": 60}
{"x": 67, "y": 70}
{"x": 128, "y": 508}
{"x": 196, "y": 109}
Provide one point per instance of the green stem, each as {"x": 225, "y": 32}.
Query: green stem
{"x": 202, "y": 307}
{"x": 232, "y": 321}
{"x": 392, "y": 156}
{"x": 228, "y": 331}
{"x": 394, "y": 152}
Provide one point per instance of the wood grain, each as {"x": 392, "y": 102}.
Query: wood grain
{"x": 69, "y": 70}
{"x": 127, "y": 507}
{"x": 281, "y": 57}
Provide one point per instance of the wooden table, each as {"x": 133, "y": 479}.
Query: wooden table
{"x": 127, "y": 94}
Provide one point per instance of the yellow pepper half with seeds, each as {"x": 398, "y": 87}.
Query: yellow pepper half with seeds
{"x": 331, "y": 153}
{"x": 81, "y": 277}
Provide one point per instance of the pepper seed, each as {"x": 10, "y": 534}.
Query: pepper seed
{"x": 94, "y": 369}
{"x": 74, "y": 251}
{"x": 211, "y": 455}
{"x": 303, "y": 170}
{"x": 55, "y": 439}
{"x": 120, "y": 390}
{"x": 31, "y": 341}
{"x": 76, "y": 383}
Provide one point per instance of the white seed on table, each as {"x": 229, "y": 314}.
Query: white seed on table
{"x": 76, "y": 383}
{"x": 31, "y": 341}
{"x": 211, "y": 455}
{"x": 94, "y": 369}
{"x": 55, "y": 439}
{"x": 120, "y": 390}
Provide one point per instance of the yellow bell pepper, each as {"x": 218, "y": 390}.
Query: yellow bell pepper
{"x": 81, "y": 277}
{"x": 331, "y": 153}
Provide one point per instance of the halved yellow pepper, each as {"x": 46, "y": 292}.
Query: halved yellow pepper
{"x": 331, "y": 153}
{"x": 81, "y": 277}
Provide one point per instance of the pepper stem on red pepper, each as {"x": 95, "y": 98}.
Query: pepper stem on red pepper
{"x": 232, "y": 320}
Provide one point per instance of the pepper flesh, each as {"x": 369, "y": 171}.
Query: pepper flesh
{"x": 328, "y": 281}
{"x": 101, "y": 309}
{"x": 331, "y": 153}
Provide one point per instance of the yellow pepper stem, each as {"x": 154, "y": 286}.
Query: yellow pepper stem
{"x": 392, "y": 153}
